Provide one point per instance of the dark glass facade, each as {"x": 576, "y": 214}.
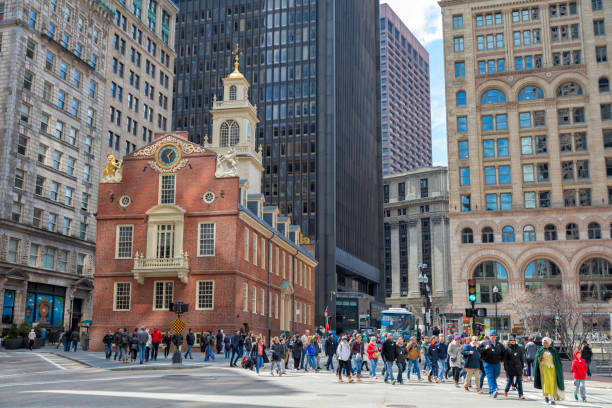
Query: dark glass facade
{"x": 314, "y": 78}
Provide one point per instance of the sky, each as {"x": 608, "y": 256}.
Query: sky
{"x": 423, "y": 19}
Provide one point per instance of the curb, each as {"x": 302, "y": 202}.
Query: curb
{"x": 130, "y": 367}
{"x": 72, "y": 358}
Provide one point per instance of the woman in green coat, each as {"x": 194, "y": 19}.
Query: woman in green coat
{"x": 548, "y": 372}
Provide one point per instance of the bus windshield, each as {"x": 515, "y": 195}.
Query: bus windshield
{"x": 396, "y": 322}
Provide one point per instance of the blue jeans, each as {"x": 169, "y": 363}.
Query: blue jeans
{"x": 259, "y": 363}
{"x": 434, "y": 368}
{"x": 441, "y": 369}
{"x": 389, "y": 370}
{"x": 75, "y": 345}
{"x": 311, "y": 362}
{"x": 373, "y": 367}
{"x": 413, "y": 367}
{"x": 529, "y": 366}
{"x": 227, "y": 352}
{"x": 302, "y": 358}
{"x": 208, "y": 354}
{"x": 330, "y": 362}
{"x": 427, "y": 365}
{"x": 357, "y": 365}
{"x": 400, "y": 370}
{"x": 492, "y": 372}
{"x": 66, "y": 345}
{"x": 519, "y": 383}
{"x": 108, "y": 348}
{"x": 237, "y": 354}
{"x": 189, "y": 349}
{"x": 588, "y": 367}
{"x": 142, "y": 349}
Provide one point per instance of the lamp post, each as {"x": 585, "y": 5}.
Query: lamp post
{"x": 495, "y": 300}
{"x": 71, "y": 307}
{"x": 425, "y": 292}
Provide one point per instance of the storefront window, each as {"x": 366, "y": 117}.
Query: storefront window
{"x": 45, "y": 304}
{"x": 8, "y": 306}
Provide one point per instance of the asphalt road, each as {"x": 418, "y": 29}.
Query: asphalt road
{"x": 45, "y": 380}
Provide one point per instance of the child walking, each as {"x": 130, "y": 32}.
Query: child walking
{"x": 579, "y": 368}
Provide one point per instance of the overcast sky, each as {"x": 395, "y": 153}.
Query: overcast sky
{"x": 423, "y": 19}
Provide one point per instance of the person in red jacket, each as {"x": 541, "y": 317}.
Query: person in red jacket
{"x": 156, "y": 338}
{"x": 373, "y": 351}
{"x": 579, "y": 368}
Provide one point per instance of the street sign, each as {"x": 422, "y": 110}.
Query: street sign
{"x": 178, "y": 326}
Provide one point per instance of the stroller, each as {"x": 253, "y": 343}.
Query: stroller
{"x": 248, "y": 363}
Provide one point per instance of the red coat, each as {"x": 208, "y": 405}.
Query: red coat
{"x": 156, "y": 336}
{"x": 371, "y": 349}
{"x": 579, "y": 367}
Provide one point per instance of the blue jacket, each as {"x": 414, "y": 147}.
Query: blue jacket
{"x": 310, "y": 350}
{"x": 471, "y": 360}
{"x": 443, "y": 347}
{"x": 433, "y": 352}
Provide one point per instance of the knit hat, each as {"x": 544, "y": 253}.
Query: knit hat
{"x": 457, "y": 337}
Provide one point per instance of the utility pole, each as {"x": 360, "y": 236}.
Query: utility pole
{"x": 426, "y": 292}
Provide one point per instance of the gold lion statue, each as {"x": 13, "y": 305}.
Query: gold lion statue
{"x": 111, "y": 167}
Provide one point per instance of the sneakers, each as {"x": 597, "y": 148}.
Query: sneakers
{"x": 495, "y": 394}
{"x": 576, "y": 396}
{"x": 505, "y": 393}
{"x": 522, "y": 397}
{"x": 584, "y": 400}
{"x": 429, "y": 378}
{"x": 467, "y": 389}
{"x": 393, "y": 383}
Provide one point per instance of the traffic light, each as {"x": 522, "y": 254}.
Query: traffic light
{"x": 437, "y": 311}
{"x": 472, "y": 290}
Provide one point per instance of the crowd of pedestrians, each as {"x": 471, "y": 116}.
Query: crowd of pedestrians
{"x": 464, "y": 360}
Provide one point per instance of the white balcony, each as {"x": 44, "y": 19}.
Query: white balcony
{"x": 160, "y": 268}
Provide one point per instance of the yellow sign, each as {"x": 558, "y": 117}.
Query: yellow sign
{"x": 178, "y": 326}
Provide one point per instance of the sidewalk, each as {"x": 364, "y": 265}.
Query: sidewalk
{"x": 97, "y": 359}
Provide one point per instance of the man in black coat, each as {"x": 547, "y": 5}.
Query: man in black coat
{"x": 220, "y": 337}
{"x": 330, "y": 349}
{"x": 513, "y": 364}
{"x": 235, "y": 344}
{"x": 190, "y": 339}
{"x": 491, "y": 354}
{"x": 389, "y": 356}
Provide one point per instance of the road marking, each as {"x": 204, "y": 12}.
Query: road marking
{"x": 98, "y": 379}
{"x": 50, "y": 361}
{"x": 271, "y": 400}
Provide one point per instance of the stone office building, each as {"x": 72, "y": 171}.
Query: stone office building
{"x": 416, "y": 232}
{"x": 529, "y": 121}
{"x": 51, "y": 73}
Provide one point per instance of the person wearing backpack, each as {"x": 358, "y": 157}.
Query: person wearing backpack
{"x": 125, "y": 345}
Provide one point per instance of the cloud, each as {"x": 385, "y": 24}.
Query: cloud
{"x": 422, "y": 17}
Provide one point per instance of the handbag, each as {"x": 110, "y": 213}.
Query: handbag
{"x": 358, "y": 357}
{"x": 375, "y": 355}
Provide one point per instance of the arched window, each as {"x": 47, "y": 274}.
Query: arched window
{"x": 550, "y": 232}
{"x": 461, "y": 98}
{"x": 571, "y": 232}
{"x": 232, "y": 93}
{"x": 529, "y": 234}
{"x": 230, "y": 133}
{"x": 487, "y": 235}
{"x": 493, "y": 96}
{"x": 596, "y": 280}
{"x": 604, "y": 85}
{"x": 542, "y": 273}
{"x": 488, "y": 275}
{"x": 569, "y": 89}
{"x": 508, "y": 234}
{"x": 530, "y": 93}
{"x": 467, "y": 236}
{"x": 594, "y": 231}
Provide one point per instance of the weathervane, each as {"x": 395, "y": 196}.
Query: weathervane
{"x": 236, "y": 54}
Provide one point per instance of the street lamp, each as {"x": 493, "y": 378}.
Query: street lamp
{"x": 495, "y": 300}
{"x": 425, "y": 292}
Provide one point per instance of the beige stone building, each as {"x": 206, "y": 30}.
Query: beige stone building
{"x": 139, "y": 71}
{"x": 416, "y": 232}
{"x": 52, "y": 79}
{"x": 530, "y": 150}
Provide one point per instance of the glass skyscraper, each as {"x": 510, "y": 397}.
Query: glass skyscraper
{"x": 314, "y": 78}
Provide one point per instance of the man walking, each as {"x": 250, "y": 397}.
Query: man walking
{"x": 472, "y": 364}
{"x": 235, "y": 344}
{"x": 190, "y": 339}
{"x": 442, "y": 356}
{"x": 108, "y": 344}
{"x": 208, "y": 354}
{"x": 220, "y": 337}
{"x": 330, "y": 350}
{"x": 142, "y": 337}
{"x": 491, "y": 352}
{"x": 413, "y": 358}
{"x": 156, "y": 339}
{"x": 389, "y": 355}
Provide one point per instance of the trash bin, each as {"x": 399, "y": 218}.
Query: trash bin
{"x": 84, "y": 342}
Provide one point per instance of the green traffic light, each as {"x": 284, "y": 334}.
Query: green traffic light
{"x": 472, "y": 298}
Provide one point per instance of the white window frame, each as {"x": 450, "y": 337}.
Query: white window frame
{"x": 115, "y": 308}
{"x": 263, "y": 253}
{"x": 212, "y": 295}
{"x": 276, "y": 305}
{"x": 164, "y": 294}
{"x": 117, "y": 236}
{"x": 254, "y": 299}
{"x": 245, "y": 297}
{"x": 246, "y": 244}
{"x": 214, "y": 238}
{"x": 159, "y": 194}
{"x": 277, "y": 265}
{"x": 255, "y": 239}
{"x": 262, "y": 295}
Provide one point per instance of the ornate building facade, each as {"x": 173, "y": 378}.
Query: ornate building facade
{"x": 178, "y": 222}
{"x": 416, "y": 239}
{"x": 529, "y": 126}
{"x": 52, "y": 75}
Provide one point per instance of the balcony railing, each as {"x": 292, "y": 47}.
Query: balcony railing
{"x": 160, "y": 267}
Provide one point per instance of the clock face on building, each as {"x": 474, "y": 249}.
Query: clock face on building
{"x": 168, "y": 156}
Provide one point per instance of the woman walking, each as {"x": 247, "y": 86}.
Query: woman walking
{"x": 373, "y": 351}
{"x": 166, "y": 340}
{"x": 259, "y": 350}
{"x": 296, "y": 352}
{"x": 513, "y": 364}
{"x": 548, "y": 372}
{"x": 455, "y": 358}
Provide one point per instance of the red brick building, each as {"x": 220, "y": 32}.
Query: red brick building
{"x": 176, "y": 222}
